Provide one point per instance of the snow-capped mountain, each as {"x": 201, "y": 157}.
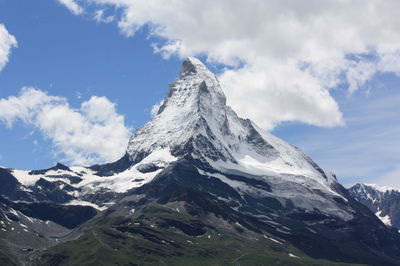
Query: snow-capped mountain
{"x": 194, "y": 122}
{"x": 197, "y": 168}
{"x": 383, "y": 201}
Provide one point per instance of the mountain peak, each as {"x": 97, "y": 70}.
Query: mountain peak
{"x": 192, "y": 65}
{"x": 195, "y": 103}
{"x": 194, "y": 121}
{"x": 195, "y": 88}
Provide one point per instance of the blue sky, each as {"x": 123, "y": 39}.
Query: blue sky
{"x": 75, "y": 58}
{"x": 341, "y": 106}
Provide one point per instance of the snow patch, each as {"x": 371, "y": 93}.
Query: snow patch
{"x": 85, "y": 203}
{"x": 24, "y": 177}
{"x": 128, "y": 179}
{"x": 385, "y": 219}
{"x": 273, "y": 239}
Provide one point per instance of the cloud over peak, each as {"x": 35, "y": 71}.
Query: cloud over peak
{"x": 284, "y": 56}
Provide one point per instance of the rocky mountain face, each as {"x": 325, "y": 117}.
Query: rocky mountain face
{"x": 383, "y": 201}
{"x": 198, "y": 184}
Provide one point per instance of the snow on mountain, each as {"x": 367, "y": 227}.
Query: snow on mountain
{"x": 195, "y": 121}
{"x": 385, "y": 219}
{"x": 137, "y": 175}
{"x": 382, "y": 200}
{"x": 82, "y": 182}
{"x": 195, "y": 113}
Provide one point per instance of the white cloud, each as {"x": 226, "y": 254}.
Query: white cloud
{"x": 360, "y": 73}
{"x": 72, "y": 6}
{"x": 156, "y": 107}
{"x": 94, "y": 133}
{"x": 7, "y": 42}
{"x": 297, "y": 49}
{"x": 262, "y": 96}
{"x": 99, "y": 16}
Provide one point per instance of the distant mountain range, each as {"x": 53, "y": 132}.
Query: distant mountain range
{"x": 198, "y": 185}
{"x": 383, "y": 201}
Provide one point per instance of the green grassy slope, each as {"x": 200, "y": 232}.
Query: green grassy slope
{"x": 162, "y": 237}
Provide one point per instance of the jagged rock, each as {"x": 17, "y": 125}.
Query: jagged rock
{"x": 383, "y": 201}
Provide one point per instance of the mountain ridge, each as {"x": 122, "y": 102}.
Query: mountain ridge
{"x": 382, "y": 200}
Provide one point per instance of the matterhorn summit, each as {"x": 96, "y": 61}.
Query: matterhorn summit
{"x": 195, "y": 123}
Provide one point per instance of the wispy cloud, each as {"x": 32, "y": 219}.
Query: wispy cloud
{"x": 94, "y": 133}
{"x": 72, "y": 6}
{"x": 7, "y": 42}
{"x": 367, "y": 149}
{"x": 156, "y": 107}
{"x": 99, "y": 16}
